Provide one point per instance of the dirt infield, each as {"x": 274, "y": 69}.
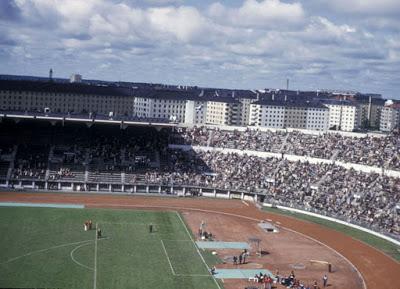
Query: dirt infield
{"x": 235, "y": 220}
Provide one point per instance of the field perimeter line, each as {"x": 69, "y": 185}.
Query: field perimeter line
{"x": 197, "y": 249}
{"x": 169, "y": 261}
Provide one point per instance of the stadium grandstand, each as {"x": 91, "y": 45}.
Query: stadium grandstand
{"x": 74, "y": 156}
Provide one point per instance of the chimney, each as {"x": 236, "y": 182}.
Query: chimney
{"x": 51, "y": 74}
{"x": 287, "y": 84}
{"x": 369, "y": 110}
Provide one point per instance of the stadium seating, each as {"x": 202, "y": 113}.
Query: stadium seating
{"x": 140, "y": 160}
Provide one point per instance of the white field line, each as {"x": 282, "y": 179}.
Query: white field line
{"x": 192, "y": 275}
{"x": 76, "y": 248}
{"x": 169, "y": 261}
{"x": 77, "y": 262}
{"x": 237, "y": 216}
{"x": 173, "y": 240}
{"x": 95, "y": 260}
{"x": 124, "y": 223}
{"x": 197, "y": 249}
{"x": 245, "y": 203}
{"x": 44, "y": 250}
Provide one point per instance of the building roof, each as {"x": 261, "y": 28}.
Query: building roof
{"x": 198, "y": 94}
{"x": 64, "y": 87}
{"x": 339, "y": 102}
{"x": 291, "y": 103}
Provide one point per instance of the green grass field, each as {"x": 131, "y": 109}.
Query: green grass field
{"x": 379, "y": 243}
{"x": 48, "y": 248}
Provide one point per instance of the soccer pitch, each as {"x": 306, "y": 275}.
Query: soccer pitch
{"x": 48, "y": 248}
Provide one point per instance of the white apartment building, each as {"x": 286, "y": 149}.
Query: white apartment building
{"x": 195, "y": 112}
{"x": 317, "y": 118}
{"x": 272, "y": 116}
{"x": 245, "y": 117}
{"x": 64, "y": 97}
{"x": 343, "y": 115}
{"x": 163, "y": 108}
{"x": 282, "y": 114}
{"x": 224, "y": 112}
{"x": 390, "y": 117}
{"x": 190, "y": 106}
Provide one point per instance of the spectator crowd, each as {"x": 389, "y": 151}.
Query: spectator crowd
{"x": 369, "y": 199}
{"x": 379, "y": 151}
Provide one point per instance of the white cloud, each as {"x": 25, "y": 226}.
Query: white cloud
{"x": 373, "y": 7}
{"x": 260, "y": 14}
{"x": 185, "y": 23}
{"x": 164, "y": 2}
{"x": 321, "y": 30}
{"x": 266, "y": 40}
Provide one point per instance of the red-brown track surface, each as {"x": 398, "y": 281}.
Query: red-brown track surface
{"x": 377, "y": 269}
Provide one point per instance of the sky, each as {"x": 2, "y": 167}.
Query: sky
{"x": 250, "y": 44}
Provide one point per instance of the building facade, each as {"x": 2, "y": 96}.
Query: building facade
{"x": 343, "y": 115}
{"x": 390, "y": 118}
{"x": 284, "y": 114}
{"x": 196, "y": 106}
{"x": 161, "y": 108}
{"x": 64, "y": 98}
{"x": 195, "y": 112}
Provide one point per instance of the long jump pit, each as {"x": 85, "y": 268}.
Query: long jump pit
{"x": 284, "y": 244}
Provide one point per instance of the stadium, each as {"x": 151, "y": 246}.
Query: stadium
{"x": 194, "y": 207}
{"x": 214, "y": 144}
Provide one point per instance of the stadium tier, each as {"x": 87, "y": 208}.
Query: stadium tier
{"x": 77, "y": 157}
{"x": 376, "y": 150}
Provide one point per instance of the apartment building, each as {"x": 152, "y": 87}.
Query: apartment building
{"x": 284, "y": 114}
{"x": 65, "y": 97}
{"x": 196, "y": 106}
{"x": 162, "y": 104}
{"x": 343, "y": 115}
{"x": 370, "y": 112}
{"x": 224, "y": 111}
{"x": 195, "y": 112}
{"x": 390, "y": 117}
